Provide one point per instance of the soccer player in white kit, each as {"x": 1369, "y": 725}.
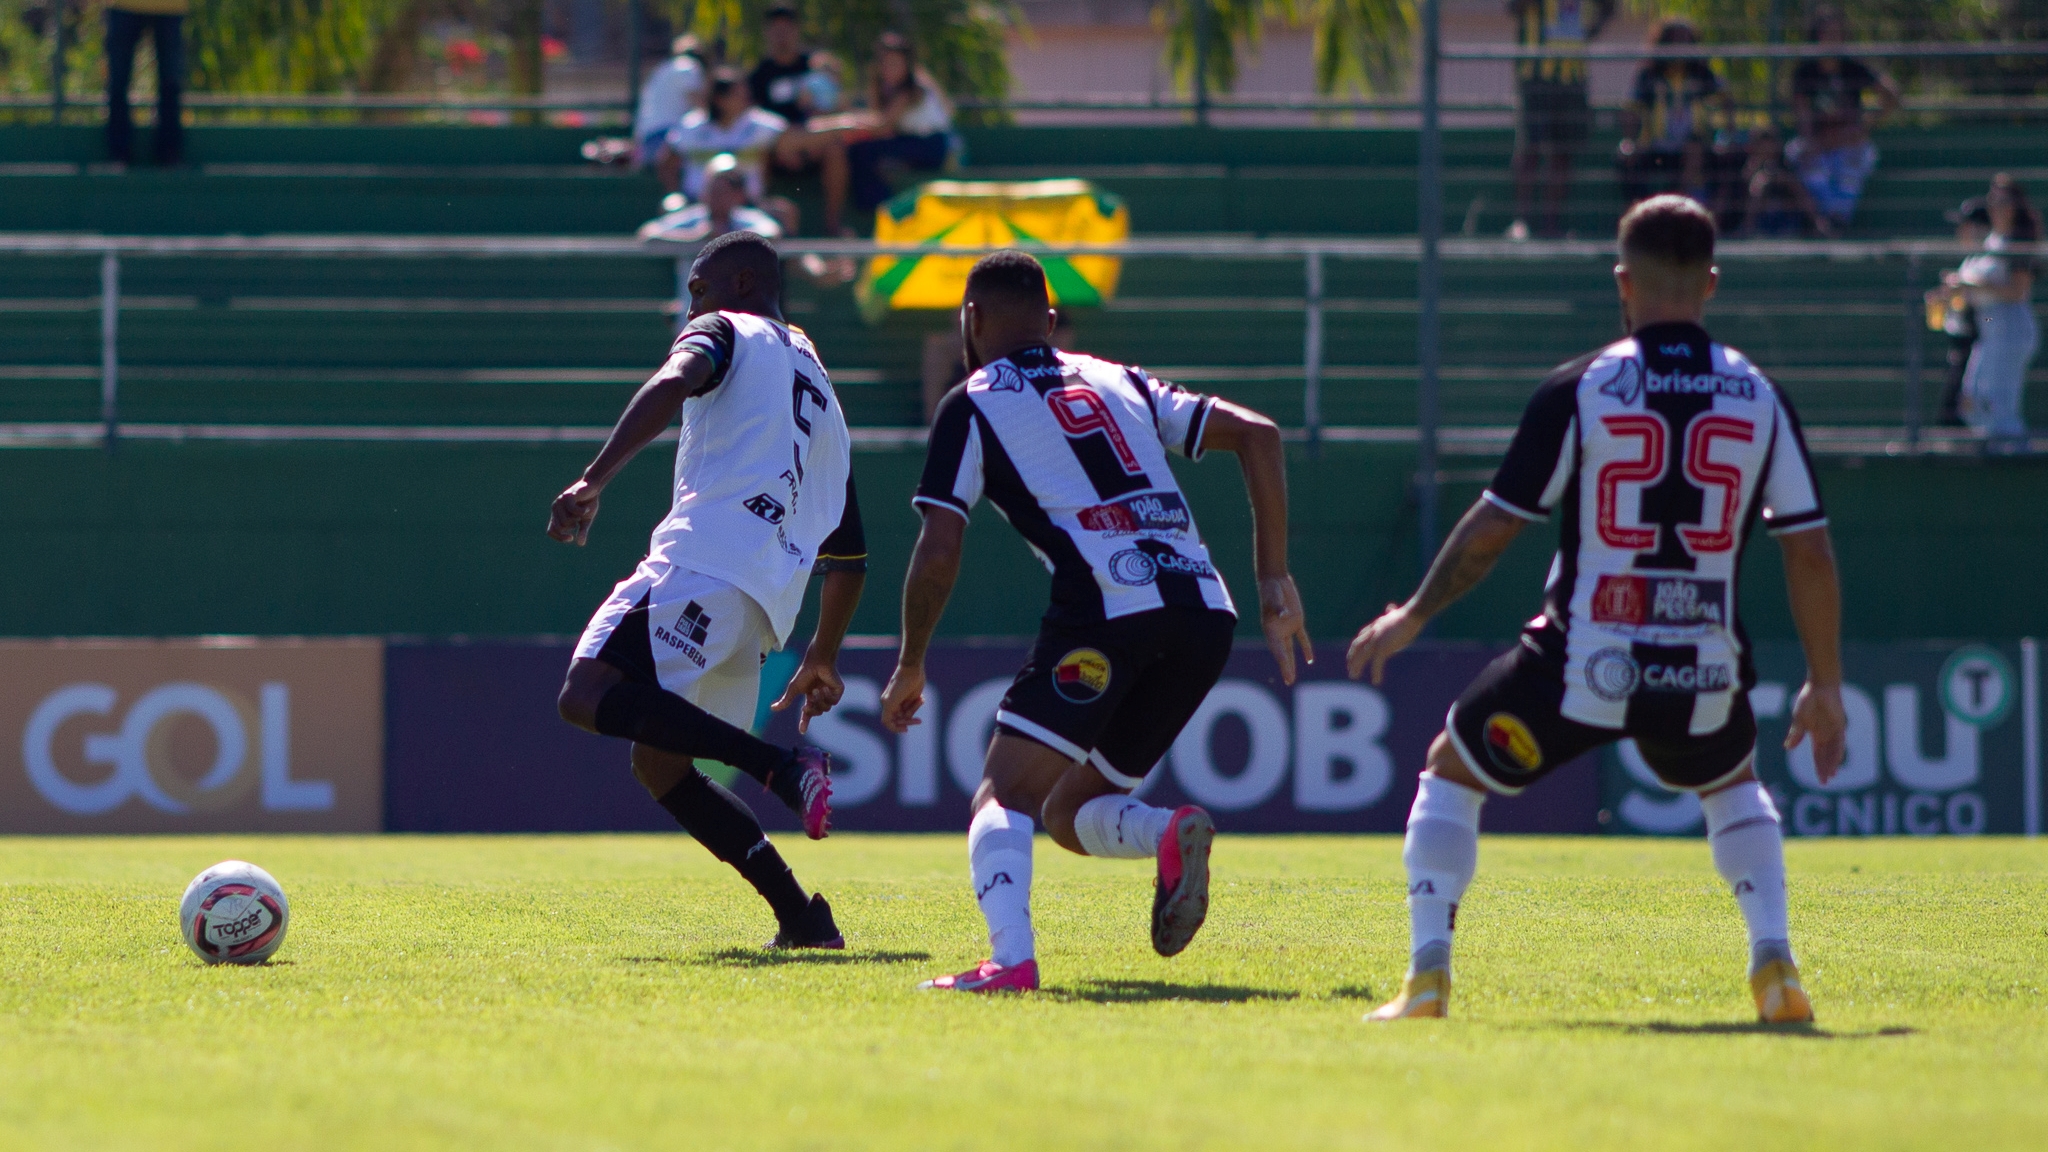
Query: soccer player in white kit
{"x": 1658, "y": 454}
{"x": 763, "y": 497}
{"x": 1072, "y": 451}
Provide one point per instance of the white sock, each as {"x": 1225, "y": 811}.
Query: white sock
{"x": 999, "y": 853}
{"x": 1749, "y": 853}
{"x": 1120, "y": 827}
{"x": 1441, "y": 852}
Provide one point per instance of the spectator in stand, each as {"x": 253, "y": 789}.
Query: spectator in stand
{"x": 1667, "y": 127}
{"x": 1948, "y": 309}
{"x": 164, "y": 22}
{"x": 1833, "y": 153}
{"x": 726, "y": 207}
{"x": 1776, "y": 205}
{"x": 909, "y": 125}
{"x": 671, "y": 93}
{"x": 2000, "y": 285}
{"x": 797, "y": 84}
{"x": 731, "y": 124}
{"x": 1552, "y": 117}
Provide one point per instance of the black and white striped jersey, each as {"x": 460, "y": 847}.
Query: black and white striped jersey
{"x": 1660, "y": 452}
{"x": 1072, "y": 451}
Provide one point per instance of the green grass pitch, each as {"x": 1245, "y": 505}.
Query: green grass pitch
{"x": 609, "y": 992}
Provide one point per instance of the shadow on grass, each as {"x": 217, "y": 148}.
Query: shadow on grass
{"x": 776, "y": 957}
{"x": 1352, "y": 992}
{"x": 1145, "y": 991}
{"x": 1734, "y": 1028}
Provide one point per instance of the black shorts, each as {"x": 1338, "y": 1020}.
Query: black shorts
{"x": 1552, "y": 113}
{"x": 1508, "y": 730}
{"x": 1117, "y": 693}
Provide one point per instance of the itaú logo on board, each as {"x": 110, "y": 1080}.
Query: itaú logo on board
{"x": 135, "y": 748}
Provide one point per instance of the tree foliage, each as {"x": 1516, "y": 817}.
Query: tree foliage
{"x": 1749, "y": 21}
{"x": 1360, "y": 45}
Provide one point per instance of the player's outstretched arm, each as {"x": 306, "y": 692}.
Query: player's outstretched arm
{"x": 817, "y": 681}
{"x": 934, "y": 566}
{"x": 650, "y": 410}
{"x": 1482, "y": 534}
{"x": 1256, "y": 442}
{"x": 1816, "y": 595}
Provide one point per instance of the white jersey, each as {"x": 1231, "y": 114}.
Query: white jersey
{"x": 1072, "y": 451}
{"x": 763, "y": 467}
{"x": 1660, "y": 451}
{"x": 699, "y": 138}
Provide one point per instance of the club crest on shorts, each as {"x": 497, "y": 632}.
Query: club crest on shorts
{"x": 1612, "y": 674}
{"x": 1510, "y": 744}
{"x": 1081, "y": 676}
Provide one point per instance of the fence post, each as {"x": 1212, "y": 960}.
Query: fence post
{"x": 1312, "y": 352}
{"x": 1916, "y": 327}
{"x": 1429, "y": 219}
{"x": 57, "y": 62}
{"x": 110, "y": 341}
{"x": 633, "y": 62}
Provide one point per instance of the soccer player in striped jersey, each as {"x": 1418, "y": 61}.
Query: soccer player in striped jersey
{"x": 763, "y": 498}
{"x": 1658, "y": 453}
{"x": 1072, "y": 451}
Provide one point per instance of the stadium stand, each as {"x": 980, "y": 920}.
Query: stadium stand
{"x": 359, "y": 341}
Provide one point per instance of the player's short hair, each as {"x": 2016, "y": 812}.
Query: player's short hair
{"x": 1670, "y": 234}
{"x": 1008, "y": 276}
{"x": 733, "y": 251}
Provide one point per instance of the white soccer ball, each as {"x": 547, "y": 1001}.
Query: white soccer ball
{"x": 234, "y": 913}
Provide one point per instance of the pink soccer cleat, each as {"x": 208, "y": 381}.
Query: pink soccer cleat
{"x": 989, "y": 976}
{"x": 804, "y": 782}
{"x": 1180, "y": 901}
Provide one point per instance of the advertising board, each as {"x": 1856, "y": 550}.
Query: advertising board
{"x": 206, "y": 735}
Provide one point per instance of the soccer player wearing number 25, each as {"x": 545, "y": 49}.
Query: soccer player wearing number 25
{"x": 1658, "y": 453}
{"x": 763, "y": 497}
{"x": 1072, "y": 451}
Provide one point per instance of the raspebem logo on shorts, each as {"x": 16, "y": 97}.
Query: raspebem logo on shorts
{"x": 1081, "y": 676}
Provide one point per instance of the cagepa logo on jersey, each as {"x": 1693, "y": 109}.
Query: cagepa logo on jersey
{"x": 1134, "y": 568}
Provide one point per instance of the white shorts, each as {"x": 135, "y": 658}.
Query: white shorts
{"x": 693, "y": 634}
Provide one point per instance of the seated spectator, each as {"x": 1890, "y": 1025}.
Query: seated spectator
{"x": 798, "y": 84}
{"x": 1667, "y": 126}
{"x": 671, "y": 92}
{"x": 731, "y": 125}
{"x": 1833, "y": 153}
{"x": 2000, "y": 285}
{"x": 1776, "y": 204}
{"x": 909, "y": 125}
{"x": 1948, "y": 309}
{"x": 726, "y": 207}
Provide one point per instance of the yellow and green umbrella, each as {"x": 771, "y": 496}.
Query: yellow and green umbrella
{"x": 988, "y": 213}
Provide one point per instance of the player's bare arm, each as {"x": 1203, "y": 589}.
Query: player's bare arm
{"x": 1812, "y": 586}
{"x": 1255, "y": 440}
{"x": 934, "y": 567}
{"x": 817, "y": 681}
{"x": 1482, "y": 534}
{"x": 651, "y": 410}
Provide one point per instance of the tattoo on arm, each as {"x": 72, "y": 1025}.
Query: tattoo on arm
{"x": 1475, "y": 545}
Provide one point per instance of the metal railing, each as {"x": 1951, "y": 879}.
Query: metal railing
{"x": 1313, "y": 253}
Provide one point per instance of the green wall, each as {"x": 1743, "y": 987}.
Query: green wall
{"x": 445, "y": 540}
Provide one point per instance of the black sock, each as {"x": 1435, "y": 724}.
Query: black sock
{"x": 727, "y": 827}
{"x": 660, "y": 719}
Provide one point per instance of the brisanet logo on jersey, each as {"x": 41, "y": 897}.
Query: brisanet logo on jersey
{"x": 208, "y": 735}
{"x": 1940, "y": 742}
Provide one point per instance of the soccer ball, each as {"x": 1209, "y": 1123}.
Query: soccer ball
{"x": 233, "y": 913}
